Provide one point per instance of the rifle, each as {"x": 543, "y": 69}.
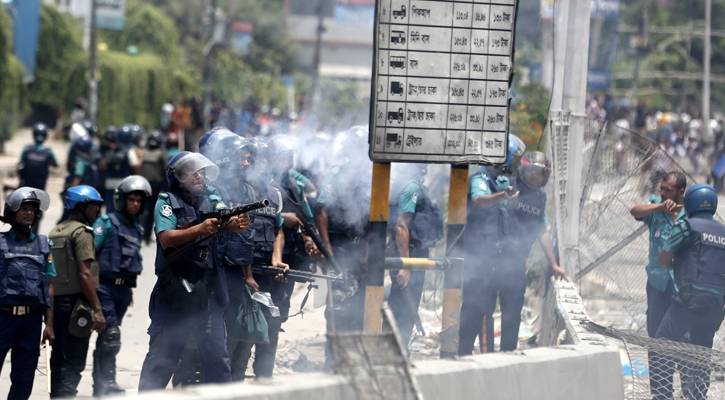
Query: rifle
{"x": 294, "y": 275}
{"x": 172, "y": 253}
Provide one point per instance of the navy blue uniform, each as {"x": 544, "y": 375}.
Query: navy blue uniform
{"x": 266, "y": 221}
{"x": 23, "y": 298}
{"x": 699, "y": 278}
{"x": 174, "y": 314}
{"x": 119, "y": 257}
{"x": 408, "y": 195}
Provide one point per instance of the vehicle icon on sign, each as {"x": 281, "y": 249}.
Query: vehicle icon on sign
{"x": 396, "y": 88}
{"x": 397, "y": 62}
{"x": 397, "y": 37}
{"x": 396, "y": 115}
{"x": 399, "y": 13}
{"x": 393, "y": 139}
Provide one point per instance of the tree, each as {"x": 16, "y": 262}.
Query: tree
{"x": 12, "y": 90}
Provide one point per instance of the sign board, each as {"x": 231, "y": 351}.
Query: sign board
{"x": 441, "y": 75}
{"x": 110, "y": 14}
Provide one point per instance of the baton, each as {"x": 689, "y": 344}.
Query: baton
{"x": 47, "y": 364}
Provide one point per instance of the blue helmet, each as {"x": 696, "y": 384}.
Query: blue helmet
{"x": 82, "y": 194}
{"x": 208, "y": 141}
{"x": 516, "y": 148}
{"x": 138, "y": 133}
{"x": 40, "y": 132}
{"x": 83, "y": 145}
{"x": 700, "y": 197}
{"x": 125, "y": 134}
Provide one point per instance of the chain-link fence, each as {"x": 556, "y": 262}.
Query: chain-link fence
{"x": 621, "y": 169}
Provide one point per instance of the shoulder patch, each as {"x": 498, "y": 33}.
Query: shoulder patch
{"x": 482, "y": 185}
{"x": 415, "y": 198}
{"x": 166, "y": 210}
{"x": 98, "y": 230}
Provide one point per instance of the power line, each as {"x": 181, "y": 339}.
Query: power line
{"x": 679, "y": 75}
{"x": 671, "y": 30}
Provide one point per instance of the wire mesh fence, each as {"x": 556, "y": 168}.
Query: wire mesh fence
{"x": 664, "y": 369}
{"x": 622, "y": 169}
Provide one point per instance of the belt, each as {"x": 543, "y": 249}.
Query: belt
{"x": 116, "y": 282}
{"x": 18, "y": 310}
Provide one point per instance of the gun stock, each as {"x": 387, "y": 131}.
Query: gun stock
{"x": 297, "y": 276}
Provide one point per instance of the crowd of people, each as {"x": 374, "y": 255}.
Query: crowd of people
{"x": 210, "y": 267}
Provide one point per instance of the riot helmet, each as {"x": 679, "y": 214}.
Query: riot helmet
{"x": 77, "y": 131}
{"x": 25, "y": 195}
{"x": 83, "y": 146}
{"x": 700, "y": 197}
{"x": 109, "y": 134}
{"x": 137, "y": 133}
{"x": 185, "y": 164}
{"x": 40, "y": 132}
{"x": 82, "y": 194}
{"x": 153, "y": 141}
{"x": 208, "y": 141}
{"x": 125, "y": 134}
{"x": 516, "y": 148}
{"x": 534, "y": 170}
{"x": 281, "y": 148}
{"x": 131, "y": 184}
{"x": 90, "y": 128}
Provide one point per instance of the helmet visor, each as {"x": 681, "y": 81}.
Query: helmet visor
{"x": 76, "y": 132}
{"x": 27, "y": 194}
{"x": 192, "y": 163}
{"x": 534, "y": 176}
{"x": 520, "y": 145}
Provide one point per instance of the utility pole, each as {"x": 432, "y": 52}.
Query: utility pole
{"x": 690, "y": 28}
{"x": 310, "y": 101}
{"x": 92, "y": 82}
{"x": 569, "y": 97}
{"x": 640, "y": 46}
{"x": 208, "y": 66}
{"x": 707, "y": 133}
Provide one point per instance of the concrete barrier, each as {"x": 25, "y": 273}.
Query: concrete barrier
{"x": 566, "y": 372}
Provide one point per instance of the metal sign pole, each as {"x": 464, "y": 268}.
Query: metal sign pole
{"x": 377, "y": 233}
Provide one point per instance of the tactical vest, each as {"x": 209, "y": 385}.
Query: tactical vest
{"x": 264, "y": 224}
{"x": 236, "y": 248}
{"x": 524, "y": 223}
{"x": 25, "y": 282}
{"x": 483, "y": 224}
{"x": 349, "y": 216}
{"x": 117, "y": 167}
{"x": 291, "y": 204}
{"x": 121, "y": 254}
{"x": 67, "y": 280}
{"x": 37, "y": 163}
{"x": 426, "y": 226}
{"x": 701, "y": 262}
{"x": 192, "y": 264}
{"x": 153, "y": 167}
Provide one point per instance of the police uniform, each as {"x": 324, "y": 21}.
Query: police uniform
{"x": 72, "y": 243}
{"x": 119, "y": 257}
{"x": 235, "y": 250}
{"x": 697, "y": 307}
{"x": 347, "y": 222}
{"x": 24, "y": 297}
{"x": 177, "y": 312}
{"x": 118, "y": 166}
{"x": 482, "y": 228}
{"x": 265, "y": 223}
{"x": 409, "y": 195}
{"x": 37, "y": 159}
{"x": 516, "y": 226}
{"x": 659, "y": 282}
{"x": 153, "y": 169}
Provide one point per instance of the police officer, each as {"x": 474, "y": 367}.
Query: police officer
{"x": 190, "y": 293}
{"x": 153, "y": 169}
{"x": 24, "y": 300}
{"x": 118, "y": 240}
{"x": 416, "y": 224}
{"x": 522, "y": 223}
{"x": 488, "y": 190}
{"x": 269, "y": 243}
{"x": 76, "y": 283}
{"x": 695, "y": 250}
{"x": 172, "y": 144}
{"x": 121, "y": 162}
{"x": 36, "y": 159}
{"x": 660, "y": 214}
{"x": 342, "y": 218}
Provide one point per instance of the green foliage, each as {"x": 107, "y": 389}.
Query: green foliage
{"x": 12, "y": 90}
{"x": 133, "y": 88}
{"x": 59, "y": 53}
{"x": 148, "y": 29}
{"x": 528, "y": 114}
